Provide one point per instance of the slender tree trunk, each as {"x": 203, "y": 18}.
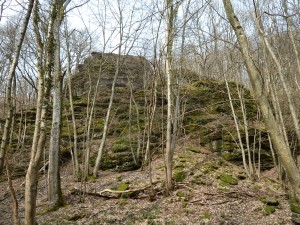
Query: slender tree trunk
{"x": 107, "y": 119}
{"x": 8, "y": 91}
{"x": 55, "y": 198}
{"x": 75, "y": 136}
{"x": 15, "y": 206}
{"x": 43, "y": 100}
{"x": 170, "y": 19}
{"x": 237, "y": 129}
{"x": 278, "y": 141}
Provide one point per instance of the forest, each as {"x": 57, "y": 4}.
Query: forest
{"x": 158, "y": 112}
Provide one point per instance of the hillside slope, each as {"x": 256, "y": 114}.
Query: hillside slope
{"x": 210, "y": 185}
{"x": 208, "y": 190}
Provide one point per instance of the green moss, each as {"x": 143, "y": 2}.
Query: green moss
{"x": 269, "y": 201}
{"x": 184, "y": 204}
{"x": 180, "y": 194}
{"x": 60, "y": 204}
{"x": 206, "y": 215}
{"x": 269, "y": 210}
{"x": 193, "y": 149}
{"x": 203, "y": 121}
{"x": 122, "y": 186}
{"x": 92, "y": 179}
{"x": 180, "y": 176}
{"x": 295, "y": 206}
{"x": 179, "y": 166}
{"x": 223, "y": 184}
{"x": 120, "y": 148}
{"x": 257, "y": 187}
{"x": 119, "y": 178}
{"x": 75, "y": 217}
{"x": 123, "y": 202}
{"x": 45, "y": 211}
{"x": 199, "y": 180}
{"x": 184, "y": 156}
{"x": 226, "y": 178}
{"x": 210, "y": 167}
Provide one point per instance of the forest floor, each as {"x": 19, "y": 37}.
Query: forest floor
{"x": 209, "y": 190}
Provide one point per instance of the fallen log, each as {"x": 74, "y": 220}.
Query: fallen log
{"x": 104, "y": 192}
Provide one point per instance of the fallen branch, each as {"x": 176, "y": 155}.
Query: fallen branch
{"x": 103, "y": 192}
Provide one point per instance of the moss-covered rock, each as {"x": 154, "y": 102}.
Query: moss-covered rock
{"x": 122, "y": 147}
{"x": 193, "y": 149}
{"x": 229, "y": 179}
{"x": 123, "y": 186}
{"x": 269, "y": 201}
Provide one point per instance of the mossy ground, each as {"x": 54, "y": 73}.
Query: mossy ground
{"x": 205, "y": 202}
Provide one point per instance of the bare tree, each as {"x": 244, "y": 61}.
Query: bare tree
{"x": 43, "y": 100}
{"x": 54, "y": 187}
{"x": 170, "y": 14}
{"x": 8, "y": 92}
{"x": 127, "y": 38}
{"x": 278, "y": 141}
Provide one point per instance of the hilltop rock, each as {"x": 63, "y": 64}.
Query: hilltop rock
{"x": 102, "y": 66}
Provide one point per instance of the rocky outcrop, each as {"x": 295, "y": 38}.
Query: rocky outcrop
{"x": 134, "y": 70}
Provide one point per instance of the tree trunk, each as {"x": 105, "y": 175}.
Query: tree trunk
{"x": 170, "y": 20}
{"x": 107, "y": 119}
{"x": 42, "y": 108}
{"x": 54, "y": 187}
{"x": 15, "y": 205}
{"x": 75, "y": 150}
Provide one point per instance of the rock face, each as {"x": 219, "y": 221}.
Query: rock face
{"x": 133, "y": 71}
{"x": 205, "y": 116}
